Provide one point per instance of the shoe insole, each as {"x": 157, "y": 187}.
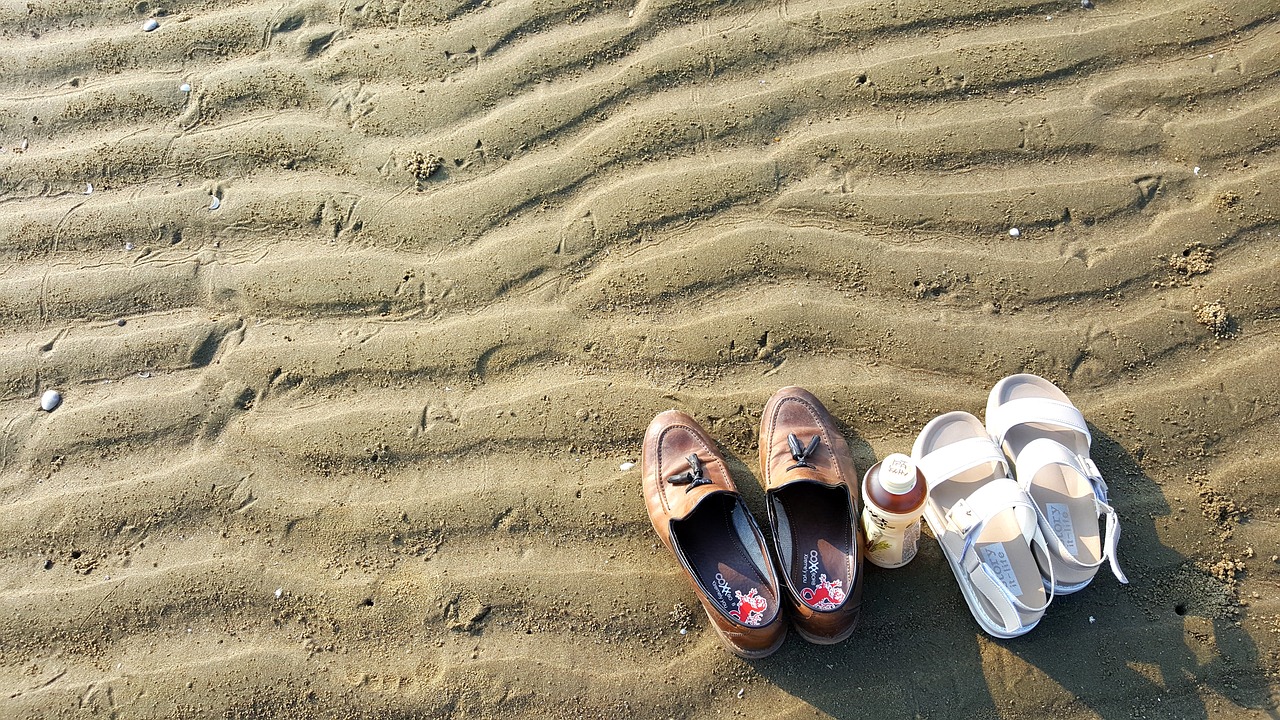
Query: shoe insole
{"x": 713, "y": 545}
{"x": 819, "y": 520}
{"x": 1066, "y": 500}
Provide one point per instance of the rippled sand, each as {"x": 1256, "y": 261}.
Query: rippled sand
{"x": 349, "y": 444}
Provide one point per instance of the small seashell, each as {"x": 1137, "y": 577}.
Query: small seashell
{"x": 1014, "y": 232}
{"x": 684, "y": 631}
{"x": 1086, "y": 4}
{"x": 215, "y": 203}
{"x": 150, "y": 24}
{"x": 1196, "y": 170}
{"x": 26, "y": 145}
{"x": 50, "y": 399}
{"x": 128, "y": 246}
{"x": 626, "y": 466}
{"x": 88, "y": 188}
{"x": 741, "y": 692}
{"x": 279, "y": 592}
{"x": 185, "y": 87}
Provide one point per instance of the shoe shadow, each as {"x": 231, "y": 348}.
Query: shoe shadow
{"x": 1170, "y": 643}
{"x": 906, "y": 657}
{"x": 915, "y": 653}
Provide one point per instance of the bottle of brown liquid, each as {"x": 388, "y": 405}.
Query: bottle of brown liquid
{"x": 893, "y": 495}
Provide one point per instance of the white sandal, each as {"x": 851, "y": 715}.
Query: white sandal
{"x": 986, "y": 524}
{"x": 1037, "y": 426}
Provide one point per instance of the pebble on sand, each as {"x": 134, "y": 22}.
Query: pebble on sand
{"x": 1014, "y": 232}
{"x": 50, "y": 400}
{"x": 150, "y": 24}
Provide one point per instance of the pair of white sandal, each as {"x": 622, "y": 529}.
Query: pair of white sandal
{"x": 1015, "y": 544}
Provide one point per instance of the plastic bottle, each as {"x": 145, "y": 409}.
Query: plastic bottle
{"x": 893, "y": 495}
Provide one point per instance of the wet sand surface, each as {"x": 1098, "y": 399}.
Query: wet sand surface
{"x": 356, "y": 334}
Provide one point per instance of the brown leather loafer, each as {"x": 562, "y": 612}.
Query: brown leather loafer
{"x": 702, "y": 519}
{"x": 811, "y": 490}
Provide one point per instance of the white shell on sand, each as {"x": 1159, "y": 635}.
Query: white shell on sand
{"x": 626, "y": 466}
{"x": 1014, "y": 232}
{"x": 215, "y": 203}
{"x": 185, "y": 87}
{"x": 50, "y": 400}
{"x": 150, "y": 24}
{"x": 88, "y": 188}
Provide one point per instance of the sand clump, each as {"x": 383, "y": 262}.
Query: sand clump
{"x": 1195, "y": 259}
{"x": 1214, "y": 316}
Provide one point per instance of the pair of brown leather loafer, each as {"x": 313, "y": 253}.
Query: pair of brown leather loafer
{"x": 810, "y": 488}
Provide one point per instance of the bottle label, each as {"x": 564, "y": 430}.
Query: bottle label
{"x": 910, "y": 542}
{"x": 889, "y": 544}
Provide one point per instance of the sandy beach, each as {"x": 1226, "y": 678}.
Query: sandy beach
{"x": 359, "y": 309}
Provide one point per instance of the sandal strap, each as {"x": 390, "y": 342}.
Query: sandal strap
{"x": 994, "y": 497}
{"x": 989, "y": 584}
{"x": 968, "y": 516}
{"x": 1111, "y": 544}
{"x": 986, "y": 582}
{"x": 1034, "y": 457}
{"x": 950, "y": 460}
{"x": 984, "y": 579}
{"x": 1039, "y": 410}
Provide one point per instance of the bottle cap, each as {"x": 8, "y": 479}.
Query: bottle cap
{"x": 897, "y": 473}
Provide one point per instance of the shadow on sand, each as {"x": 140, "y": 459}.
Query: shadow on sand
{"x": 1163, "y": 646}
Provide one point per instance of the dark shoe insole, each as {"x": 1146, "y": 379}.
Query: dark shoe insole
{"x": 713, "y": 541}
{"x": 820, "y": 563}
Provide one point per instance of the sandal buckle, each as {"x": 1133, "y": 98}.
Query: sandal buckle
{"x": 962, "y": 517}
{"x": 1095, "y": 477}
